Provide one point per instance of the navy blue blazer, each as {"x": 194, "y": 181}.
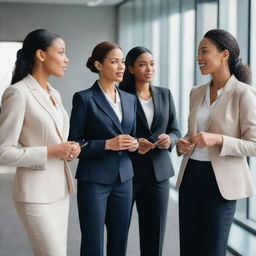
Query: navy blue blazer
{"x": 164, "y": 121}
{"x": 92, "y": 122}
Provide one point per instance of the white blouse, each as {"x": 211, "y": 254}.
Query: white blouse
{"x": 148, "y": 108}
{"x": 202, "y": 154}
{"x": 117, "y": 107}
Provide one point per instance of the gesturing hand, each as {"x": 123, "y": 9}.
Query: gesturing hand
{"x": 184, "y": 146}
{"x": 206, "y": 139}
{"x": 163, "y": 141}
{"x": 145, "y": 146}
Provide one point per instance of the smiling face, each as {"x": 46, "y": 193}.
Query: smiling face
{"x": 210, "y": 59}
{"x": 54, "y": 58}
{"x": 143, "y": 68}
{"x": 112, "y": 67}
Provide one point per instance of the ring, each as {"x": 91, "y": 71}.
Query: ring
{"x": 70, "y": 156}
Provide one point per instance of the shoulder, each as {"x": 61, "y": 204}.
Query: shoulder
{"x": 84, "y": 94}
{"x": 243, "y": 88}
{"x": 161, "y": 90}
{"x": 18, "y": 89}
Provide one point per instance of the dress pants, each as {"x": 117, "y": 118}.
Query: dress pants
{"x": 152, "y": 204}
{"x": 100, "y": 204}
{"x": 205, "y": 217}
{"x": 46, "y": 226}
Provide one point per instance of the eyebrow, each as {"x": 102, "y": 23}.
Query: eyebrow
{"x": 143, "y": 61}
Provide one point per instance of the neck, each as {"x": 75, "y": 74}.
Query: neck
{"x": 220, "y": 79}
{"x": 41, "y": 78}
{"x": 107, "y": 86}
{"x": 142, "y": 87}
{"x": 143, "y": 90}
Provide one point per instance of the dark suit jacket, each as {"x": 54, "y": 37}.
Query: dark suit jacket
{"x": 164, "y": 121}
{"x": 92, "y": 122}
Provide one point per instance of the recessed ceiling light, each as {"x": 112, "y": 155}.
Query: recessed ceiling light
{"x": 93, "y": 3}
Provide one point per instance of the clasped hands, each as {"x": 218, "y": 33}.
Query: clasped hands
{"x": 67, "y": 150}
{"x": 122, "y": 142}
{"x": 163, "y": 142}
{"x": 199, "y": 140}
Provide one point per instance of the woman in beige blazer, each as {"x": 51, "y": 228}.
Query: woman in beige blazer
{"x": 221, "y": 134}
{"x": 33, "y": 132}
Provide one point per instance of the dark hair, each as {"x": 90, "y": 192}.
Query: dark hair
{"x": 99, "y": 53}
{"x": 37, "y": 39}
{"x": 128, "y": 83}
{"x": 223, "y": 40}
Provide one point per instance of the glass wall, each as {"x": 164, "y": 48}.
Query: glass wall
{"x": 172, "y": 30}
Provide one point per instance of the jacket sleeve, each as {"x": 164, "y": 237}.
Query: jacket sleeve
{"x": 172, "y": 128}
{"x": 246, "y": 145}
{"x": 11, "y": 125}
{"x": 78, "y": 123}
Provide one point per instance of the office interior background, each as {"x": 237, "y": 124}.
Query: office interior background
{"x": 171, "y": 29}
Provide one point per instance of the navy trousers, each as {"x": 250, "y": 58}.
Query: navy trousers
{"x": 100, "y": 204}
{"x": 205, "y": 217}
{"x": 152, "y": 204}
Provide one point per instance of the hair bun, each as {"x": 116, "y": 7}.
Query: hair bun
{"x": 91, "y": 66}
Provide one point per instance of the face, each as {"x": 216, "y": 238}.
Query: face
{"x": 211, "y": 59}
{"x": 112, "y": 68}
{"x": 143, "y": 68}
{"x": 55, "y": 60}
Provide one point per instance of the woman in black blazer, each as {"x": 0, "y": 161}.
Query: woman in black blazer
{"x": 103, "y": 122}
{"x": 157, "y": 133}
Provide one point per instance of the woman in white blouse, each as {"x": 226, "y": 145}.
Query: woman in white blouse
{"x": 221, "y": 133}
{"x": 33, "y": 136}
{"x": 157, "y": 133}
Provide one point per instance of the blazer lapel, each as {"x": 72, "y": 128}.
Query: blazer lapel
{"x": 46, "y": 104}
{"x": 222, "y": 101}
{"x": 157, "y": 107}
{"x": 127, "y": 109}
{"x": 104, "y": 105}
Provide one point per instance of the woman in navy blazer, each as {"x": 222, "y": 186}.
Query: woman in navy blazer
{"x": 157, "y": 133}
{"x": 103, "y": 122}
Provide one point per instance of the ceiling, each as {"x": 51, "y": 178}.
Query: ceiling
{"x": 76, "y": 2}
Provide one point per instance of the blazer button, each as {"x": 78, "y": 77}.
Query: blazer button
{"x": 120, "y": 153}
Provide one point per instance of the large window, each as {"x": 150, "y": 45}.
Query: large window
{"x": 8, "y": 51}
{"x": 172, "y": 30}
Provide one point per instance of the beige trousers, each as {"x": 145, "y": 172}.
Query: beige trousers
{"x": 46, "y": 226}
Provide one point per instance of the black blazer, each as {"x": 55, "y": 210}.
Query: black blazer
{"x": 164, "y": 121}
{"x": 92, "y": 122}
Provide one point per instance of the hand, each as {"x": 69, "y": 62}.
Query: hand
{"x": 184, "y": 146}
{"x": 76, "y": 149}
{"x": 134, "y": 145}
{"x": 145, "y": 146}
{"x": 206, "y": 139}
{"x": 62, "y": 150}
{"x": 163, "y": 141}
{"x": 120, "y": 142}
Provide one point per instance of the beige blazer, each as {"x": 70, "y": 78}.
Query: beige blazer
{"x": 233, "y": 116}
{"x": 28, "y": 124}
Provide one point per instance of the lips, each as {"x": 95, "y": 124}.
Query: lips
{"x": 120, "y": 73}
{"x": 201, "y": 65}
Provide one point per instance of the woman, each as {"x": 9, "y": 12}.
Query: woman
{"x": 157, "y": 133}
{"x": 33, "y": 132}
{"x": 103, "y": 122}
{"x": 221, "y": 133}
